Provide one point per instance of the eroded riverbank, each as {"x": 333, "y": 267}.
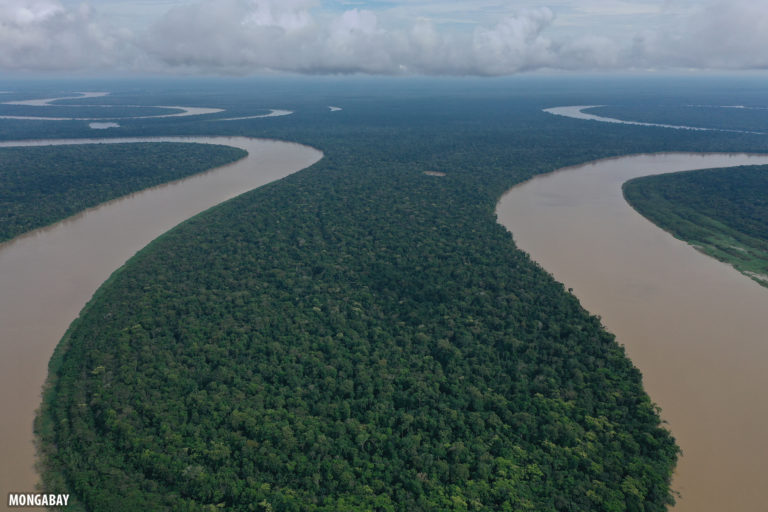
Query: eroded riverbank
{"x": 48, "y": 275}
{"x": 694, "y": 326}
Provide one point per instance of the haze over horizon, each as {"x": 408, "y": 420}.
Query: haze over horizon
{"x": 382, "y": 37}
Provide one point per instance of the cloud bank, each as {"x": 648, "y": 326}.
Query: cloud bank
{"x": 302, "y": 36}
{"x": 43, "y": 35}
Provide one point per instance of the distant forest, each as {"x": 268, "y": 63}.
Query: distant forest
{"x": 43, "y": 185}
{"x": 360, "y": 335}
{"x": 722, "y": 212}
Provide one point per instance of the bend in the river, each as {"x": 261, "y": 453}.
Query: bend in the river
{"x": 577, "y": 112}
{"x": 180, "y": 111}
{"x": 694, "y": 326}
{"x": 48, "y": 275}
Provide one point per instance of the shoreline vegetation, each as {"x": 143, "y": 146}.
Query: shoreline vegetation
{"x": 690, "y": 323}
{"x": 43, "y": 185}
{"x": 336, "y": 369}
{"x": 361, "y": 336}
{"x": 721, "y": 212}
{"x": 48, "y": 276}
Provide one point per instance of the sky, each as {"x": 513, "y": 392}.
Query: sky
{"x": 381, "y": 37}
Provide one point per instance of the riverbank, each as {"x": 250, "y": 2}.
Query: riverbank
{"x": 692, "y": 325}
{"x": 721, "y": 212}
{"x": 47, "y": 276}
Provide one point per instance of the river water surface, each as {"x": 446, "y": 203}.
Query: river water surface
{"x": 48, "y": 275}
{"x": 577, "y": 112}
{"x": 695, "y": 327}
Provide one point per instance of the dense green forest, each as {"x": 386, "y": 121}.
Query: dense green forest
{"x": 360, "y": 335}
{"x": 372, "y": 346}
{"x": 722, "y": 212}
{"x": 42, "y": 185}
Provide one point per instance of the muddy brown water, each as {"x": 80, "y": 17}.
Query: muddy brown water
{"x": 48, "y": 275}
{"x": 695, "y": 327}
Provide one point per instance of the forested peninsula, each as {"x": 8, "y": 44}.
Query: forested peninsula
{"x": 43, "y": 185}
{"x": 721, "y": 212}
{"x": 362, "y": 336}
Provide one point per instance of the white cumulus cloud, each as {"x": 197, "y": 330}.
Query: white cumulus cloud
{"x": 308, "y": 36}
{"x": 516, "y": 43}
{"x": 718, "y": 35}
{"x": 286, "y": 36}
{"x": 43, "y": 34}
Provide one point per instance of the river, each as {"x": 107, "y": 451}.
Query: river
{"x": 47, "y": 275}
{"x": 695, "y": 327}
{"x": 577, "y": 112}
